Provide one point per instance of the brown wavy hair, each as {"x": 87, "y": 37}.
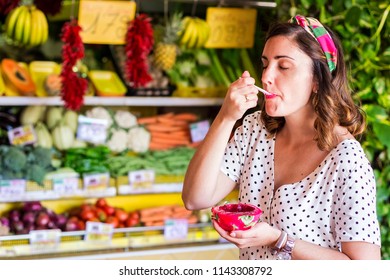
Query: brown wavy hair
{"x": 333, "y": 102}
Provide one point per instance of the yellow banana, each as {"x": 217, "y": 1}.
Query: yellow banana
{"x": 27, "y": 28}
{"x": 36, "y": 33}
{"x": 11, "y": 21}
{"x": 19, "y": 28}
{"x": 194, "y": 35}
{"x": 205, "y": 29}
{"x": 201, "y": 33}
{"x": 44, "y": 26}
{"x": 188, "y": 29}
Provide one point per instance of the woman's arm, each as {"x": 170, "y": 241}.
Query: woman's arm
{"x": 204, "y": 183}
{"x": 264, "y": 235}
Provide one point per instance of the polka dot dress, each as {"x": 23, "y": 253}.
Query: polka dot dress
{"x": 333, "y": 204}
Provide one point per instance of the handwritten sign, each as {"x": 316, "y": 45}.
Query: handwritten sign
{"x": 231, "y": 27}
{"x": 105, "y": 22}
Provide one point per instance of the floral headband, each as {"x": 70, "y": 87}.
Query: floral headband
{"x": 318, "y": 31}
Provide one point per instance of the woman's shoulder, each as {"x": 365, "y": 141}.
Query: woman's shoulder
{"x": 349, "y": 152}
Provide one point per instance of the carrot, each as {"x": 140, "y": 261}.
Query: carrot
{"x": 162, "y": 128}
{"x": 147, "y": 120}
{"x": 172, "y": 141}
{"x": 193, "y": 219}
{"x": 186, "y": 117}
{"x": 156, "y": 217}
{"x": 175, "y": 134}
{"x": 153, "y": 210}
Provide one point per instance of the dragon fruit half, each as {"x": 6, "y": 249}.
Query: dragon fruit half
{"x": 236, "y": 216}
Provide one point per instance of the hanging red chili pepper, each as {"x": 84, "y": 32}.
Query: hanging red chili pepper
{"x": 73, "y": 87}
{"x": 139, "y": 43}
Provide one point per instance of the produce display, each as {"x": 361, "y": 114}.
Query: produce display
{"x": 236, "y": 216}
{"x": 34, "y": 215}
{"x": 164, "y": 54}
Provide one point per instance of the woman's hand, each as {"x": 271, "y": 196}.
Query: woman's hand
{"x": 262, "y": 234}
{"x": 240, "y": 96}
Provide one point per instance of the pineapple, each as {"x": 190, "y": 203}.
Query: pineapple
{"x": 166, "y": 49}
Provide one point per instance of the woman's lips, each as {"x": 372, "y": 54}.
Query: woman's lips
{"x": 267, "y": 94}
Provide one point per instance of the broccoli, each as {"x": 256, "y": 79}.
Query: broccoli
{"x": 41, "y": 156}
{"x": 36, "y": 173}
{"x": 14, "y": 159}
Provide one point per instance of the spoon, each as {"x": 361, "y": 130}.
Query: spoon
{"x": 263, "y": 90}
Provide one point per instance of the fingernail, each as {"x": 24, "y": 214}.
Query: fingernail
{"x": 233, "y": 234}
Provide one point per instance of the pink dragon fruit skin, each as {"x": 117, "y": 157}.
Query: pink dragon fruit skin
{"x": 236, "y": 216}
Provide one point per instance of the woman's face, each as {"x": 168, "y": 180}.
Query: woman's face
{"x": 287, "y": 73}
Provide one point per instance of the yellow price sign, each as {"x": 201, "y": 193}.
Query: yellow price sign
{"x": 105, "y": 22}
{"x": 231, "y": 27}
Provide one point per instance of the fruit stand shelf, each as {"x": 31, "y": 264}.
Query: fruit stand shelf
{"x": 114, "y": 101}
{"x": 133, "y": 239}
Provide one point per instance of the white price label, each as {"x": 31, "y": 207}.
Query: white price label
{"x": 22, "y": 135}
{"x": 175, "y": 229}
{"x": 15, "y": 187}
{"x": 92, "y": 130}
{"x": 66, "y": 185}
{"x": 47, "y": 236}
{"x": 96, "y": 181}
{"x": 45, "y": 240}
{"x": 141, "y": 179}
{"x": 199, "y": 130}
{"x": 98, "y": 232}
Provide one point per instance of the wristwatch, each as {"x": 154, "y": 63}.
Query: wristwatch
{"x": 286, "y": 251}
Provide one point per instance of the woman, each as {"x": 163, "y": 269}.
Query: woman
{"x": 297, "y": 158}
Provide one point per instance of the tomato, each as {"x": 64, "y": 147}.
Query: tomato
{"x": 110, "y": 211}
{"x": 87, "y": 214}
{"x": 101, "y": 215}
{"x": 101, "y": 203}
{"x": 133, "y": 219}
{"x": 113, "y": 221}
{"x": 121, "y": 214}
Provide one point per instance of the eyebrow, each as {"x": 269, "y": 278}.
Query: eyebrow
{"x": 278, "y": 57}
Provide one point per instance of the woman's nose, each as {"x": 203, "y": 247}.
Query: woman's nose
{"x": 267, "y": 77}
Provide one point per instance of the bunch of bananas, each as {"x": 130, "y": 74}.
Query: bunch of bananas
{"x": 26, "y": 26}
{"x": 196, "y": 32}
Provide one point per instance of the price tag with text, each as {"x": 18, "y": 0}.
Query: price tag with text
{"x": 96, "y": 181}
{"x": 47, "y": 239}
{"x": 175, "y": 229}
{"x": 98, "y": 232}
{"x": 199, "y": 130}
{"x": 105, "y": 22}
{"x": 22, "y": 135}
{"x": 92, "y": 130}
{"x": 141, "y": 179}
{"x": 68, "y": 185}
{"x": 12, "y": 188}
{"x": 231, "y": 27}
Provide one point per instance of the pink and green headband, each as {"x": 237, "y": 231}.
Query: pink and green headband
{"x": 318, "y": 31}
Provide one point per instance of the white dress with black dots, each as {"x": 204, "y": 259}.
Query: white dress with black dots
{"x": 333, "y": 204}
